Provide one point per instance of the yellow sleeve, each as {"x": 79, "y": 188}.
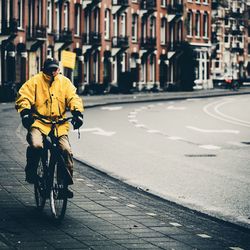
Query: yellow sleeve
{"x": 74, "y": 102}
{"x": 25, "y": 96}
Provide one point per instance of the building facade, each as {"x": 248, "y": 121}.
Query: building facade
{"x": 120, "y": 45}
{"x": 230, "y": 40}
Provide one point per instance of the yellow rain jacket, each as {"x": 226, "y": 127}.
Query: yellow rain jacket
{"x": 49, "y": 100}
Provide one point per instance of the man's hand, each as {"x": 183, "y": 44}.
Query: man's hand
{"x": 27, "y": 118}
{"x": 77, "y": 121}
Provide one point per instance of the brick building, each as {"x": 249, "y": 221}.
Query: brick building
{"x": 119, "y": 44}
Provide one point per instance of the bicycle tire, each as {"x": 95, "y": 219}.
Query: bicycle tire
{"x": 40, "y": 186}
{"x": 58, "y": 197}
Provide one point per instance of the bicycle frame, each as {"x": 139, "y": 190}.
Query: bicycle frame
{"x": 53, "y": 177}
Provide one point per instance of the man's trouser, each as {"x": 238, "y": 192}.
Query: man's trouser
{"x": 35, "y": 140}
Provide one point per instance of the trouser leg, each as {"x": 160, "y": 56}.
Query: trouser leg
{"x": 35, "y": 140}
{"x": 66, "y": 151}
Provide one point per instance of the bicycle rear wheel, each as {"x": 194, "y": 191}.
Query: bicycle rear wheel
{"x": 58, "y": 197}
{"x": 40, "y": 186}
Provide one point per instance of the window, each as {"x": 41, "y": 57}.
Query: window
{"x": 205, "y": 1}
{"x": 49, "y": 15}
{"x": 123, "y": 24}
{"x": 152, "y": 27}
{"x": 179, "y": 31}
{"x": 163, "y": 30}
{"x": 152, "y": 69}
{"x": 205, "y": 25}
{"x": 134, "y": 27}
{"x": 190, "y": 23}
{"x": 163, "y": 3}
{"x": 57, "y": 18}
{"x": 20, "y": 13}
{"x": 66, "y": 15}
{"x": 106, "y": 24}
{"x": 77, "y": 19}
{"x": 197, "y": 24}
{"x": 96, "y": 20}
{"x": 96, "y": 67}
{"x": 40, "y": 12}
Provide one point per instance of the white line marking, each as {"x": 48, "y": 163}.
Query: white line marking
{"x": 153, "y": 131}
{"x": 140, "y": 125}
{"x": 175, "y": 108}
{"x": 214, "y": 130}
{"x": 100, "y": 191}
{"x": 233, "y": 121}
{"x": 89, "y": 185}
{"x": 205, "y": 236}
{"x": 131, "y": 205}
{"x": 236, "y": 248}
{"x": 96, "y": 131}
{"x": 133, "y": 120}
{"x": 175, "y": 138}
{"x": 113, "y": 197}
{"x": 175, "y": 224}
{"x": 111, "y": 108}
{"x": 213, "y": 147}
{"x": 151, "y": 214}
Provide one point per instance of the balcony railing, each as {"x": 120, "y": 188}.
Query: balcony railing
{"x": 148, "y": 4}
{"x": 173, "y": 46}
{"x": 175, "y": 8}
{"x": 120, "y": 3}
{"x": 120, "y": 42}
{"x": 63, "y": 36}
{"x": 148, "y": 42}
{"x": 9, "y": 27}
{"x": 92, "y": 38}
{"x": 36, "y": 33}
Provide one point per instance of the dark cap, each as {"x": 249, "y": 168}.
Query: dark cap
{"x": 50, "y": 63}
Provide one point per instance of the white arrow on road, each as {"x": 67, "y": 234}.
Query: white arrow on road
{"x": 96, "y": 131}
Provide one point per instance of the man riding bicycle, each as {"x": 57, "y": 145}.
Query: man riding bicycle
{"x": 48, "y": 94}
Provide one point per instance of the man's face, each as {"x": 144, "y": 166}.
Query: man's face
{"x": 53, "y": 71}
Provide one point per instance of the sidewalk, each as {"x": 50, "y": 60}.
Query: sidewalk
{"x": 92, "y": 101}
{"x": 105, "y": 213}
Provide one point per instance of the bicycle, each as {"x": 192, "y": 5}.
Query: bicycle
{"x": 53, "y": 177}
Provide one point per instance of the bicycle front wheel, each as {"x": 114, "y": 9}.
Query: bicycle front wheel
{"x": 58, "y": 197}
{"x": 40, "y": 186}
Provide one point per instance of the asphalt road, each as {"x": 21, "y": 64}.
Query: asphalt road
{"x": 194, "y": 152}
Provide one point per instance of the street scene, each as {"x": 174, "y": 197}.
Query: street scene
{"x": 125, "y": 124}
{"x": 188, "y": 192}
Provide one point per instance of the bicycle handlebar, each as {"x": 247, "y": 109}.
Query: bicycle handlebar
{"x": 59, "y": 122}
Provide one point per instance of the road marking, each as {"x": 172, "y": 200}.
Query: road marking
{"x": 133, "y": 120}
{"x": 214, "y": 130}
{"x": 113, "y": 197}
{"x": 205, "y": 236}
{"x": 111, "y": 108}
{"x": 96, "y": 131}
{"x": 131, "y": 205}
{"x": 175, "y": 138}
{"x": 153, "y": 131}
{"x": 236, "y": 248}
{"x": 140, "y": 125}
{"x": 172, "y": 107}
{"x": 175, "y": 224}
{"x": 151, "y": 214}
{"x": 90, "y": 185}
{"x": 223, "y": 117}
{"x": 213, "y": 147}
{"x": 100, "y": 191}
